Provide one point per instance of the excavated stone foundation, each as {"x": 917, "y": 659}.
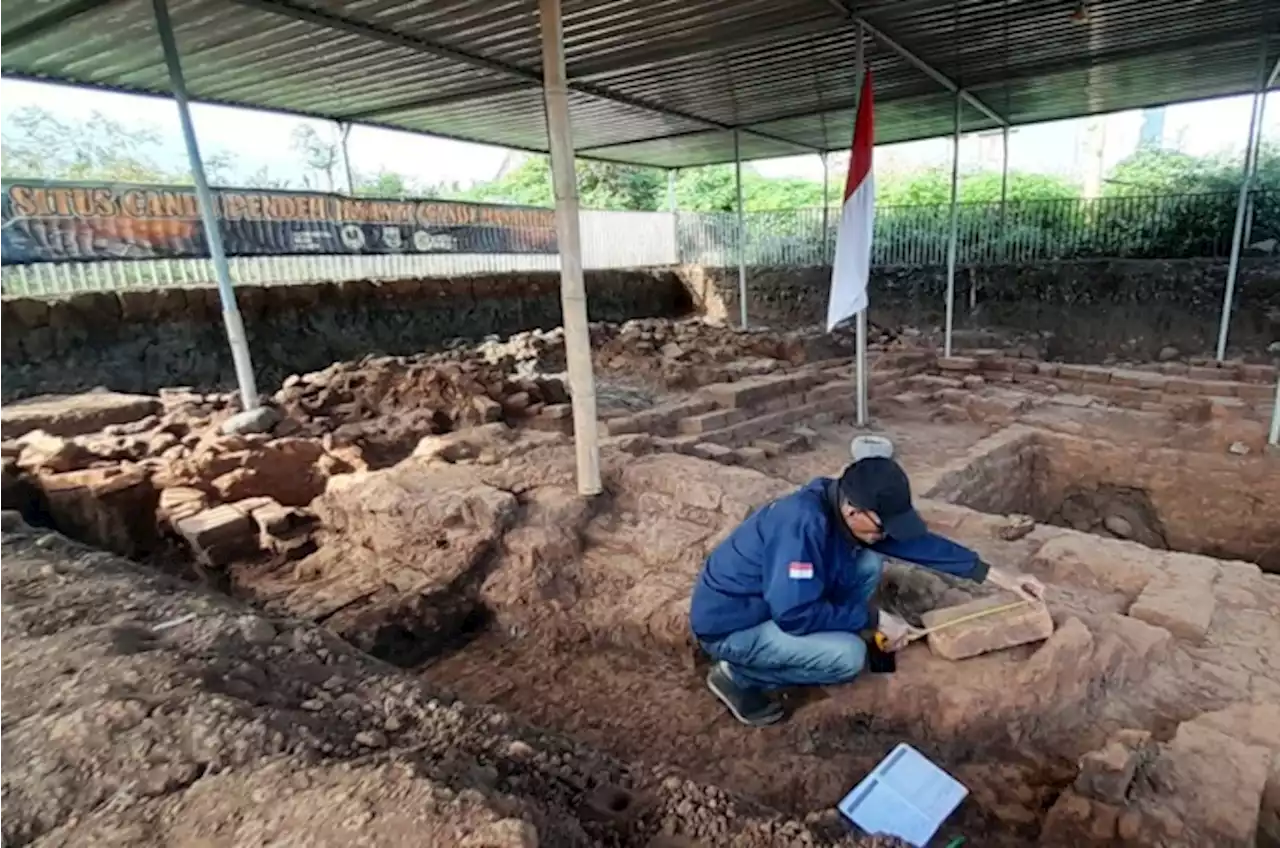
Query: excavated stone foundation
{"x": 425, "y": 513}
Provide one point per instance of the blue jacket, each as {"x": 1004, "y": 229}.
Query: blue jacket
{"x": 760, "y": 572}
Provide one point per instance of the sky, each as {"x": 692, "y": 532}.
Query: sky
{"x": 262, "y": 139}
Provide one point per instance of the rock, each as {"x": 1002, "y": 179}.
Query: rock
{"x": 1118, "y": 526}
{"x": 1017, "y": 626}
{"x": 177, "y": 502}
{"x": 1168, "y": 353}
{"x": 1015, "y": 527}
{"x": 41, "y": 450}
{"x": 1238, "y": 448}
{"x": 973, "y": 382}
{"x": 865, "y": 447}
{"x": 507, "y": 833}
{"x": 371, "y": 739}
{"x": 1180, "y": 600}
{"x": 220, "y": 535}
{"x": 1105, "y": 774}
{"x": 671, "y": 350}
{"x": 256, "y": 630}
{"x": 1202, "y": 788}
{"x": 259, "y": 420}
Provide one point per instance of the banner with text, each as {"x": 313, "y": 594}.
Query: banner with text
{"x": 67, "y": 222}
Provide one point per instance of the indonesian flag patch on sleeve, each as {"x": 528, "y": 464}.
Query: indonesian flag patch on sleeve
{"x": 800, "y": 570}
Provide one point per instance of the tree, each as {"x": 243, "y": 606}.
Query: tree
{"x": 384, "y": 184}
{"x": 601, "y": 185}
{"x": 36, "y": 143}
{"x": 1161, "y": 172}
{"x": 933, "y": 187}
{"x": 320, "y": 155}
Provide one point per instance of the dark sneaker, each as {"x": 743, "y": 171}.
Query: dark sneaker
{"x": 750, "y": 706}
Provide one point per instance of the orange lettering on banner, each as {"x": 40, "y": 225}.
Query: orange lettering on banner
{"x": 24, "y": 201}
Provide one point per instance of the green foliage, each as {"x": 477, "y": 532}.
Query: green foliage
{"x": 383, "y": 184}
{"x": 933, "y": 187}
{"x": 1160, "y": 172}
{"x": 601, "y": 185}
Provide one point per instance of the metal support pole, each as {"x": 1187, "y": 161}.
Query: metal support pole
{"x": 346, "y": 158}
{"x": 955, "y": 222}
{"x": 1242, "y": 202}
{"x": 671, "y": 190}
{"x": 1004, "y": 192}
{"x": 573, "y": 296}
{"x": 860, "y": 322}
{"x": 208, "y": 214}
{"x": 826, "y": 205}
{"x": 742, "y": 232}
{"x": 1274, "y": 438}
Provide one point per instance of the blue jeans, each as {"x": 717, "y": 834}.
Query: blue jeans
{"x": 766, "y": 657}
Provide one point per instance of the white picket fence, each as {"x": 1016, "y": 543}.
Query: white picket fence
{"x": 609, "y": 240}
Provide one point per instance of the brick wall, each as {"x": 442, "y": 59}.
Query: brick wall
{"x": 1131, "y": 308}
{"x": 142, "y": 340}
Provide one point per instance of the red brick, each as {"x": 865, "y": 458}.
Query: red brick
{"x": 1173, "y": 369}
{"x": 1095, "y": 374}
{"x": 1258, "y": 373}
{"x": 1047, "y": 369}
{"x": 707, "y": 421}
{"x": 957, "y": 363}
{"x": 1198, "y": 372}
{"x": 1217, "y": 388}
{"x": 1179, "y": 386}
{"x": 1256, "y": 392}
{"x": 1071, "y": 372}
{"x": 1139, "y": 379}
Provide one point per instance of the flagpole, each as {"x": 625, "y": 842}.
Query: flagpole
{"x": 951, "y": 242}
{"x": 742, "y": 232}
{"x": 862, "y": 316}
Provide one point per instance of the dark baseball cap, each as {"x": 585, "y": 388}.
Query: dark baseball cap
{"x": 879, "y": 484}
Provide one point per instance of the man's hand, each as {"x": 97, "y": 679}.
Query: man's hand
{"x": 1024, "y": 586}
{"x": 898, "y": 632}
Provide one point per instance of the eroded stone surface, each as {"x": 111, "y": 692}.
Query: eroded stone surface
{"x": 994, "y": 632}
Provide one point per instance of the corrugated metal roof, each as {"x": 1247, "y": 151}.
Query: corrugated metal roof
{"x": 657, "y": 82}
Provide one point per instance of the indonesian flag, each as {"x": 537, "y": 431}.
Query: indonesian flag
{"x": 853, "y": 241}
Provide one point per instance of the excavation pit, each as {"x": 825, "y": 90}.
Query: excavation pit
{"x": 1214, "y": 504}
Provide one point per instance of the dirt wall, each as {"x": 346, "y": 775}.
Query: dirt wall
{"x": 138, "y": 341}
{"x": 1217, "y": 504}
{"x": 1093, "y": 308}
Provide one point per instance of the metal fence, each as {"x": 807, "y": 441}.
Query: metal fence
{"x": 1164, "y": 227}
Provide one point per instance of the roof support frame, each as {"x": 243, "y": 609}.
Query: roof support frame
{"x": 919, "y": 63}
{"x": 529, "y": 78}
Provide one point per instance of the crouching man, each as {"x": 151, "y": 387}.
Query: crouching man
{"x": 781, "y": 602}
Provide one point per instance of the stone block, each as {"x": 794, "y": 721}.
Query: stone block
{"x": 1202, "y": 788}
{"x": 1077, "y": 559}
{"x": 74, "y": 415}
{"x": 957, "y": 363}
{"x": 1018, "y": 626}
{"x": 1180, "y": 600}
{"x": 1138, "y": 379}
{"x": 1105, "y": 774}
{"x": 708, "y": 421}
{"x": 219, "y": 535}
{"x": 715, "y": 453}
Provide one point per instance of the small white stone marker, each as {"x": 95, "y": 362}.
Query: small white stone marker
{"x": 906, "y": 796}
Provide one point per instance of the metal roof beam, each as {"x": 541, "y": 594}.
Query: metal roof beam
{"x": 919, "y": 63}
{"x": 23, "y": 34}
{"x": 336, "y": 22}
{"x": 441, "y": 100}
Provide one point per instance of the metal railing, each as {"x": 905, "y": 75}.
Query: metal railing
{"x": 1161, "y": 227}
{"x": 1030, "y": 231}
